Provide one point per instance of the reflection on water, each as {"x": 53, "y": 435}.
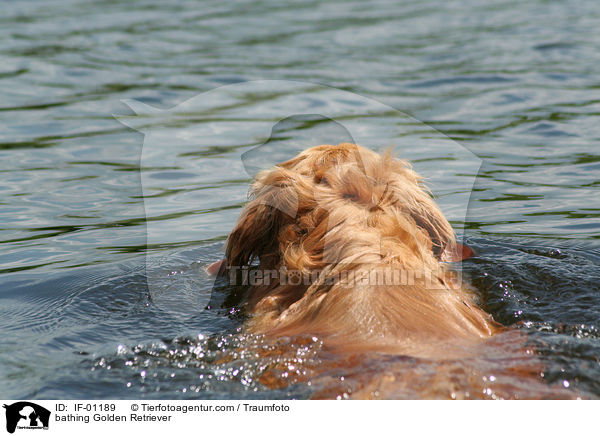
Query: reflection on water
{"x": 79, "y": 242}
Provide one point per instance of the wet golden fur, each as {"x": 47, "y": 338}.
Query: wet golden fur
{"x": 335, "y": 210}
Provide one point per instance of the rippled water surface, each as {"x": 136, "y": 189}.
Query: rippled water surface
{"x": 105, "y": 230}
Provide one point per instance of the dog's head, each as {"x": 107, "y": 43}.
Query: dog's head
{"x": 333, "y": 203}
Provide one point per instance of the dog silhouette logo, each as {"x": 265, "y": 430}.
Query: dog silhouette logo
{"x": 26, "y": 415}
{"x": 199, "y": 156}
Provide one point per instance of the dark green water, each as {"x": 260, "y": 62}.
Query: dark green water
{"x": 104, "y": 230}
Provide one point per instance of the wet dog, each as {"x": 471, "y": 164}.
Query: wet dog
{"x": 347, "y": 245}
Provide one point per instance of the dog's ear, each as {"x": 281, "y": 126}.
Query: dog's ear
{"x": 457, "y": 253}
{"x": 275, "y": 199}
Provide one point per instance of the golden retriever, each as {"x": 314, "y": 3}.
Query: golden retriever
{"x": 348, "y": 245}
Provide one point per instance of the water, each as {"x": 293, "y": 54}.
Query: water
{"x": 103, "y": 243}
